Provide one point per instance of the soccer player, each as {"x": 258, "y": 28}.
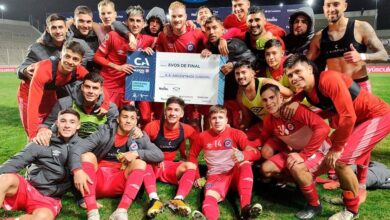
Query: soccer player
{"x": 251, "y": 105}
{"x": 360, "y": 120}
{"x": 49, "y": 75}
{"x": 202, "y": 14}
{"x": 155, "y": 21}
{"x": 86, "y": 98}
{"x": 39, "y": 195}
{"x": 228, "y": 159}
{"x": 170, "y": 135}
{"x": 301, "y": 31}
{"x": 112, "y": 55}
{"x": 344, "y": 44}
{"x": 112, "y": 147}
{"x": 274, "y": 56}
{"x": 306, "y": 135}
{"x": 107, "y": 15}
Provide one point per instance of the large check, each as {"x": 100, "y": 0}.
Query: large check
{"x": 156, "y": 78}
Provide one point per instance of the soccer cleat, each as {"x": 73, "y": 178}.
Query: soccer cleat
{"x": 179, "y": 207}
{"x": 93, "y": 215}
{"x": 119, "y": 214}
{"x": 309, "y": 212}
{"x": 197, "y": 215}
{"x": 344, "y": 215}
{"x": 251, "y": 211}
{"x": 155, "y": 207}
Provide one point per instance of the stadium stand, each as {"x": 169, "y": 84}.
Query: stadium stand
{"x": 15, "y": 37}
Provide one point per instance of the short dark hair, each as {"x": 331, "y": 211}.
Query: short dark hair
{"x": 269, "y": 86}
{"x": 299, "y": 58}
{"x": 129, "y": 108}
{"x": 74, "y": 46}
{"x": 177, "y": 100}
{"x": 203, "y": 7}
{"x": 82, "y": 9}
{"x": 272, "y": 43}
{"x": 94, "y": 77}
{"x": 256, "y": 10}
{"x": 211, "y": 19}
{"x": 69, "y": 111}
{"x": 54, "y": 17}
{"x": 246, "y": 63}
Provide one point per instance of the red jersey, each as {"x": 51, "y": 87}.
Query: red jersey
{"x": 218, "y": 149}
{"x": 41, "y": 100}
{"x": 231, "y": 21}
{"x": 189, "y": 42}
{"x": 114, "y": 49}
{"x": 366, "y": 106}
{"x": 306, "y": 132}
{"x": 152, "y": 129}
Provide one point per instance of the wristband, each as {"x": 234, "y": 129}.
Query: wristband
{"x": 363, "y": 57}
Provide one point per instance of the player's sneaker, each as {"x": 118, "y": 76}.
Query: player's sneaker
{"x": 179, "y": 206}
{"x": 309, "y": 212}
{"x": 197, "y": 215}
{"x": 155, "y": 207}
{"x": 344, "y": 215}
{"x": 119, "y": 214}
{"x": 251, "y": 211}
{"x": 93, "y": 215}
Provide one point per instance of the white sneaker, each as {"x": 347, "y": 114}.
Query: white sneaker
{"x": 93, "y": 214}
{"x": 119, "y": 214}
{"x": 344, "y": 215}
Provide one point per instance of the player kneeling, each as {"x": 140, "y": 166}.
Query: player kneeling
{"x": 228, "y": 166}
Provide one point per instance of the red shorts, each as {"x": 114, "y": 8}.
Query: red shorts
{"x": 363, "y": 139}
{"x": 118, "y": 97}
{"x": 312, "y": 163}
{"x": 167, "y": 172}
{"x": 221, "y": 182}
{"x": 29, "y": 199}
{"x": 111, "y": 182}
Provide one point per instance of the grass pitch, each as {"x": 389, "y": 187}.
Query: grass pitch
{"x": 277, "y": 203}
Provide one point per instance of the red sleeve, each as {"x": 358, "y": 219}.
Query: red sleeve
{"x": 151, "y": 129}
{"x": 199, "y": 36}
{"x": 189, "y": 133}
{"x": 195, "y": 149}
{"x": 242, "y": 140}
{"x": 234, "y": 32}
{"x": 160, "y": 42}
{"x": 41, "y": 76}
{"x": 274, "y": 29}
{"x": 333, "y": 86}
{"x": 227, "y": 23}
{"x": 148, "y": 41}
{"x": 103, "y": 50}
{"x": 318, "y": 126}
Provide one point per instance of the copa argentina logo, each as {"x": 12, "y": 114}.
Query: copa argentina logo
{"x": 141, "y": 61}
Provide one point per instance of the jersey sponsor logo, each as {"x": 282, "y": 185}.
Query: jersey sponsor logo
{"x": 228, "y": 143}
{"x": 56, "y": 153}
{"x": 256, "y": 110}
{"x": 190, "y": 47}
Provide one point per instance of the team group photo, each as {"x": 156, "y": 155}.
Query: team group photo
{"x": 194, "y": 109}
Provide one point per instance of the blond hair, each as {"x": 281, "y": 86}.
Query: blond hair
{"x": 176, "y": 4}
{"x": 106, "y": 3}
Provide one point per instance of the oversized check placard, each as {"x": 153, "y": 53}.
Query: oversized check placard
{"x": 156, "y": 78}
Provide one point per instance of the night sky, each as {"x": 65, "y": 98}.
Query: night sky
{"x": 37, "y": 9}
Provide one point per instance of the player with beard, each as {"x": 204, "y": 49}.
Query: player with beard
{"x": 344, "y": 44}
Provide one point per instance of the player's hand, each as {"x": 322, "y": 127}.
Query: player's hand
{"x": 294, "y": 159}
{"x": 287, "y": 110}
{"x": 43, "y": 137}
{"x": 129, "y": 156}
{"x": 332, "y": 157}
{"x": 205, "y": 53}
{"x": 167, "y": 30}
{"x": 127, "y": 68}
{"x": 132, "y": 42}
{"x": 161, "y": 165}
{"x": 137, "y": 133}
{"x": 352, "y": 56}
{"x": 81, "y": 180}
{"x": 28, "y": 72}
{"x": 101, "y": 111}
{"x": 149, "y": 51}
{"x": 237, "y": 155}
{"x": 227, "y": 68}
{"x": 222, "y": 47}
{"x": 190, "y": 25}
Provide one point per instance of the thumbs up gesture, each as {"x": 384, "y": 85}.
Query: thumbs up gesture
{"x": 237, "y": 155}
{"x": 353, "y": 56}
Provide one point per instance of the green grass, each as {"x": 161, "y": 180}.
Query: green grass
{"x": 277, "y": 203}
